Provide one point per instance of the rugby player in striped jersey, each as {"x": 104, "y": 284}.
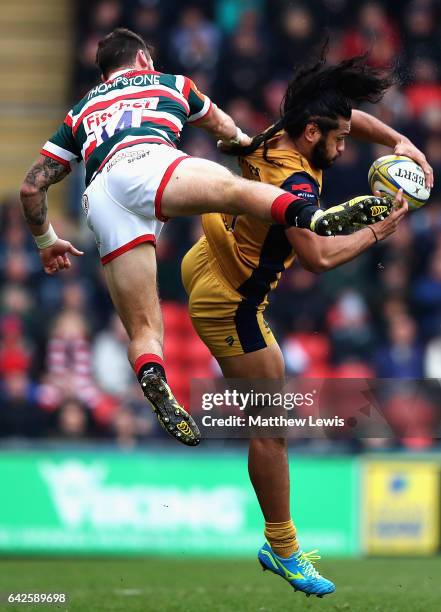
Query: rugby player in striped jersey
{"x": 126, "y": 130}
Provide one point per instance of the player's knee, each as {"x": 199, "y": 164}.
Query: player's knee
{"x": 235, "y": 187}
{"x": 230, "y": 190}
{"x": 148, "y": 327}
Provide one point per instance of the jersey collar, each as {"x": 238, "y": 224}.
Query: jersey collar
{"x": 119, "y": 73}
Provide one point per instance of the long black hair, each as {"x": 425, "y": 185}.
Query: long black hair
{"x": 322, "y": 94}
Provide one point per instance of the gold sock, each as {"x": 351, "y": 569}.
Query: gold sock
{"x": 282, "y": 538}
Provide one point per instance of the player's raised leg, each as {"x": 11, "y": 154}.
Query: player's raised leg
{"x": 269, "y": 473}
{"x": 131, "y": 279}
{"x": 199, "y": 186}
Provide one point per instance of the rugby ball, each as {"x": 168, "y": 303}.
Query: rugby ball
{"x": 390, "y": 173}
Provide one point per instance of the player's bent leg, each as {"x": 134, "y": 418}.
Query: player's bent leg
{"x": 131, "y": 279}
{"x": 198, "y": 186}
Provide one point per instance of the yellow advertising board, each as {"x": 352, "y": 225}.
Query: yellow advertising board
{"x": 400, "y": 508}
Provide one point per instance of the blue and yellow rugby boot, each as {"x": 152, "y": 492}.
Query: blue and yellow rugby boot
{"x": 298, "y": 570}
{"x": 358, "y": 212}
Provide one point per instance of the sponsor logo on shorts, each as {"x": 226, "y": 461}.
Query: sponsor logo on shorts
{"x": 136, "y": 157}
{"x": 130, "y": 156}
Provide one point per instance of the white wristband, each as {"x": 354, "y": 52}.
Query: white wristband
{"x": 47, "y": 239}
{"x": 236, "y": 139}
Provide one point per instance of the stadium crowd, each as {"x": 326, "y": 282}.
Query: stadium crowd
{"x": 63, "y": 368}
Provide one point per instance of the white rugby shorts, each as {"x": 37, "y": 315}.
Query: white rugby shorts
{"x": 123, "y": 201}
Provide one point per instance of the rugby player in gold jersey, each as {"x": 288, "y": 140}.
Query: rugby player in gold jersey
{"x": 232, "y": 269}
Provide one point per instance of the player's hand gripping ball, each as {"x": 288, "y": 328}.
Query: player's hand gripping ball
{"x": 390, "y": 173}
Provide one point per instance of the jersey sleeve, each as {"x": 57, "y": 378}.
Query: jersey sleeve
{"x": 62, "y": 146}
{"x": 303, "y": 186}
{"x": 199, "y": 104}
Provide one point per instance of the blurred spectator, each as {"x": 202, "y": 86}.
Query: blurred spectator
{"x": 244, "y": 65}
{"x": 420, "y": 36}
{"x": 412, "y": 416}
{"x": 229, "y": 12}
{"x": 353, "y": 368}
{"x": 132, "y": 423}
{"x": 111, "y": 367}
{"x": 106, "y": 16}
{"x": 124, "y": 428}
{"x": 424, "y": 92}
{"x": 273, "y": 94}
{"x": 19, "y": 412}
{"x": 68, "y": 363}
{"x": 349, "y": 326}
{"x": 146, "y": 22}
{"x": 307, "y": 355}
{"x": 374, "y": 32}
{"x": 393, "y": 307}
{"x": 72, "y": 420}
{"x": 337, "y": 14}
{"x": 427, "y": 297}
{"x": 401, "y": 356}
{"x": 15, "y": 299}
{"x": 432, "y": 358}
{"x": 245, "y": 114}
{"x": 297, "y": 37}
{"x": 395, "y": 277}
{"x": 194, "y": 43}
{"x": 433, "y": 149}
{"x": 86, "y": 74}
{"x": 15, "y": 349}
{"x": 393, "y": 109}
{"x": 298, "y": 303}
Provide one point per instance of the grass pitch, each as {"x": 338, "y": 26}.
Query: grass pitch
{"x": 199, "y": 585}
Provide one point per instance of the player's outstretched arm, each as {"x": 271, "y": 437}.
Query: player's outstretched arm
{"x": 33, "y": 196}
{"x": 222, "y": 127}
{"x": 370, "y": 129}
{"x": 319, "y": 254}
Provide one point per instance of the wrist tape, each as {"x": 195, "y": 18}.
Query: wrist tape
{"x": 47, "y": 239}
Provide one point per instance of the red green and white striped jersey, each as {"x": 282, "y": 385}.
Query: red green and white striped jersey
{"x": 134, "y": 106}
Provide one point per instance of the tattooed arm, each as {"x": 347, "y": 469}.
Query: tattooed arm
{"x": 33, "y": 195}
{"x": 33, "y": 192}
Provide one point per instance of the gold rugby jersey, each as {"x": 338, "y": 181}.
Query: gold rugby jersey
{"x": 252, "y": 254}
